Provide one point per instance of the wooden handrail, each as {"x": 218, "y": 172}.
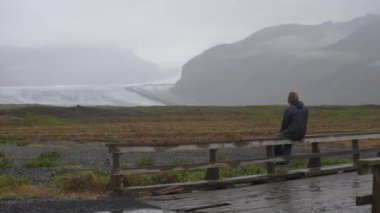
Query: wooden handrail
{"x": 366, "y": 166}
{"x": 117, "y": 150}
{"x": 258, "y": 142}
{"x": 236, "y": 163}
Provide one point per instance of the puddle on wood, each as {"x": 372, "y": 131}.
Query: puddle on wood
{"x": 137, "y": 211}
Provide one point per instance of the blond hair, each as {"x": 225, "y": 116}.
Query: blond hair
{"x": 292, "y": 97}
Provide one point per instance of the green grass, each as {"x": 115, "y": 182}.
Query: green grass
{"x": 21, "y": 196}
{"x": 344, "y": 113}
{"x": 46, "y": 159}
{"x": 84, "y": 181}
{"x": 176, "y": 123}
{"x": 37, "y": 119}
{"x": 226, "y": 172}
{"x": 5, "y": 161}
{"x": 332, "y": 161}
{"x": 298, "y": 164}
{"x": 14, "y": 141}
{"x": 115, "y": 141}
{"x": 222, "y": 157}
{"x": 145, "y": 162}
{"x": 11, "y": 182}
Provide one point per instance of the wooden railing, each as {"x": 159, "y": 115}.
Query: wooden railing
{"x": 212, "y": 174}
{"x": 366, "y": 166}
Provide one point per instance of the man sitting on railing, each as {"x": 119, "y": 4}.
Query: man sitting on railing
{"x": 294, "y": 124}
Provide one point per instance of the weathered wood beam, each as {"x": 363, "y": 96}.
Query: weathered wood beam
{"x": 270, "y": 164}
{"x": 314, "y": 162}
{"x": 365, "y": 166}
{"x": 156, "y": 147}
{"x": 199, "y": 146}
{"x": 363, "y": 200}
{"x": 376, "y": 189}
{"x": 369, "y": 162}
{"x": 207, "y": 184}
{"x": 341, "y": 137}
{"x": 116, "y": 181}
{"x": 355, "y": 146}
{"x": 213, "y": 172}
{"x": 236, "y": 163}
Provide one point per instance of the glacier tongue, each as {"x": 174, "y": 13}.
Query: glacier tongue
{"x": 71, "y": 95}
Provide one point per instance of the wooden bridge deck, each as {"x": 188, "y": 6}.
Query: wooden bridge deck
{"x": 331, "y": 193}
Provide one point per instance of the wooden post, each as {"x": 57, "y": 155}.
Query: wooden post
{"x": 366, "y": 166}
{"x": 376, "y": 189}
{"x": 270, "y": 165}
{"x": 355, "y": 147}
{"x": 213, "y": 173}
{"x": 116, "y": 181}
{"x": 314, "y": 162}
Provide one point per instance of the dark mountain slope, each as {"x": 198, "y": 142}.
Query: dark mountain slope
{"x": 331, "y": 63}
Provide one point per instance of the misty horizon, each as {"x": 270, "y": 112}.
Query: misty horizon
{"x": 161, "y": 74}
{"x": 189, "y": 44}
{"x": 167, "y": 33}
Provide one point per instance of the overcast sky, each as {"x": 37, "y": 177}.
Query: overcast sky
{"x": 166, "y": 32}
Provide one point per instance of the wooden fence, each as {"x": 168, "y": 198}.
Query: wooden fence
{"x": 367, "y": 166}
{"x": 212, "y": 174}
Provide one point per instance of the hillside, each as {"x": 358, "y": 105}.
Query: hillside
{"x": 330, "y": 63}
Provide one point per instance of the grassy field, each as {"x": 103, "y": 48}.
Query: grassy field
{"x": 23, "y": 126}
{"x": 177, "y": 123}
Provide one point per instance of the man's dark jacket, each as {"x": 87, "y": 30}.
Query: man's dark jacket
{"x": 294, "y": 122}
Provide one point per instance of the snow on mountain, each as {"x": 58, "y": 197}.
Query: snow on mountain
{"x": 71, "y": 95}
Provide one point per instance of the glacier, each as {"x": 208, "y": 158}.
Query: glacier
{"x": 85, "y": 95}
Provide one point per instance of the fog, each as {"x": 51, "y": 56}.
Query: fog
{"x": 165, "y": 32}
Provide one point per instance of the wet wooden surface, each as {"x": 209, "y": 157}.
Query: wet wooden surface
{"x": 331, "y": 193}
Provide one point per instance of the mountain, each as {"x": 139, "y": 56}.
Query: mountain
{"x": 73, "y": 65}
{"x": 330, "y": 63}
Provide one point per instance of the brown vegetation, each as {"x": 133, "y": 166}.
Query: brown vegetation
{"x": 153, "y": 124}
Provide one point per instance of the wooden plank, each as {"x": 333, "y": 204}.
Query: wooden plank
{"x": 209, "y": 184}
{"x": 116, "y": 180}
{"x": 316, "y": 161}
{"x": 363, "y": 200}
{"x": 355, "y": 146}
{"x": 365, "y": 165}
{"x": 200, "y": 146}
{"x": 213, "y": 172}
{"x": 170, "y": 190}
{"x": 332, "y": 193}
{"x": 270, "y": 165}
{"x": 376, "y": 188}
{"x": 369, "y": 162}
{"x": 155, "y": 147}
{"x": 330, "y": 170}
{"x": 203, "y": 207}
{"x": 342, "y": 137}
{"x": 237, "y": 163}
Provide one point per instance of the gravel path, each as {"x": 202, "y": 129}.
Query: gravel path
{"x": 83, "y": 155}
{"x": 124, "y": 204}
